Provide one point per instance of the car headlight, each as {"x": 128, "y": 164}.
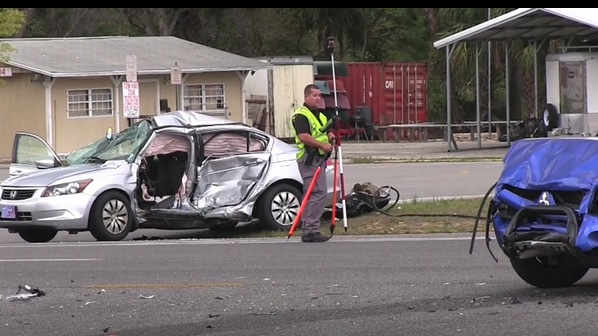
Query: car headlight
{"x": 69, "y": 188}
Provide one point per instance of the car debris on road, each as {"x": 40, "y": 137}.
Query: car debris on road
{"x": 30, "y": 293}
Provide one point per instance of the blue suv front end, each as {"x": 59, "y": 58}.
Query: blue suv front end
{"x": 544, "y": 210}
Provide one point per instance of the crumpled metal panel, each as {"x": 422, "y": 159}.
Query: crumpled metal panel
{"x": 550, "y": 165}
{"x": 226, "y": 181}
{"x": 225, "y": 189}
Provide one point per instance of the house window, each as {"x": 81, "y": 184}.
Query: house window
{"x": 89, "y": 103}
{"x": 204, "y": 97}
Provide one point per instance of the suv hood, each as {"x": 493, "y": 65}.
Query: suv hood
{"x": 566, "y": 164}
{"x": 46, "y": 177}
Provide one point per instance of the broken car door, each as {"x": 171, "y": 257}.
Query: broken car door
{"x": 230, "y": 164}
{"x": 233, "y": 162}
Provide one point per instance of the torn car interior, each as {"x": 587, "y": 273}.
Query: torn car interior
{"x": 198, "y": 180}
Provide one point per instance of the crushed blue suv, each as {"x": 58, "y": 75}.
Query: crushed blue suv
{"x": 544, "y": 210}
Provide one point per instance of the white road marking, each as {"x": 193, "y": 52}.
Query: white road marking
{"x": 51, "y": 260}
{"x": 413, "y": 178}
{"x": 229, "y": 241}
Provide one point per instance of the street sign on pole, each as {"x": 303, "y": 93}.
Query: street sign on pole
{"x": 131, "y": 99}
{"x": 176, "y": 76}
{"x": 131, "y": 68}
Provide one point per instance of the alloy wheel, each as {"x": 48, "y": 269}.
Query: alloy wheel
{"x": 115, "y": 216}
{"x": 285, "y": 207}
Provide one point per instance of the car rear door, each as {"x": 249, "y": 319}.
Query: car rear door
{"x": 226, "y": 181}
{"x": 229, "y": 166}
{"x": 28, "y": 148}
{"x": 232, "y": 162}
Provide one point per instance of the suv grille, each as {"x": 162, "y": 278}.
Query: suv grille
{"x": 17, "y": 194}
{"x": 570, "y": 198}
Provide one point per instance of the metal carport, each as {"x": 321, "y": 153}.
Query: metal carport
{"x": 536, "y": 25}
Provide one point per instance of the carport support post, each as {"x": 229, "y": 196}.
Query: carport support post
{"x": 48, "y": 82}
{"x": 536, "y": 49}
{"x": 507, "y": 93}
{"x": 490, "y": 83}
{"x": 490, "y": 91}
{"x": 535, "y": 79}
{"x": 477, "y": 94}
{"x": 449, "y": 129}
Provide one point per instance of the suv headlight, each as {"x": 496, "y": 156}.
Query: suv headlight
{"x": 69, "y": 188}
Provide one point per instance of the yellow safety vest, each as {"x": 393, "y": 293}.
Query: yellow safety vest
{"x": 314, "y": 125}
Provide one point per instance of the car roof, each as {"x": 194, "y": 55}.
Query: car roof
{"x": 189, "y": 119}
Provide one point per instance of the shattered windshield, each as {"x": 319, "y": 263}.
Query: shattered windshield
{"x": 123, "y": 146}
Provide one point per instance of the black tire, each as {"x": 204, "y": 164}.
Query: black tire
{"x": 550, "y": 117}
{"x": 274, "y": 195}
{"x": 37, "y": 235}
{"x": 561, "y": 271}
{"x": 110, "y": 199}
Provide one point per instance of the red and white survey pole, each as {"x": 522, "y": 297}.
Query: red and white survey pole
{"x": 339, "y": 153}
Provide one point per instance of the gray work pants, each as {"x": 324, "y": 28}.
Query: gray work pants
{"x": 310, "y": 218}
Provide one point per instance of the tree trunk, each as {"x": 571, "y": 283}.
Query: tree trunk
{"x": 158, "y": 22}
{"x": 29, "y": 16}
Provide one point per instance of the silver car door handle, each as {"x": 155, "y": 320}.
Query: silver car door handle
{"x": 252, "y": 162}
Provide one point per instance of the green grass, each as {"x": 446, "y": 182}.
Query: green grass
{"x": 380, "y": 224}
{"x": 365, "y": 160}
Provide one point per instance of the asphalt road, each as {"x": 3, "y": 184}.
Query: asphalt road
{"x": 411, "y": 179}
{"x": 274, "y": 287}
{"x": 418, "y": 179}
{"x": 442, "y": 179}
{"x": 430, "y": 179}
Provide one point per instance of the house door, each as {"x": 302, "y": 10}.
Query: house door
{"x": 149, "y": 98}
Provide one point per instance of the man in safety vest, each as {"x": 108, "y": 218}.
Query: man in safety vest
{"x": 313, "y": 145}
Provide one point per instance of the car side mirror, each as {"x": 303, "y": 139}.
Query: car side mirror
{"x": 45, "y": 164}
{"x": 109, "y": 134}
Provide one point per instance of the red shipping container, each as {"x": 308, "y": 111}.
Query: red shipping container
{"x": 396, "y": 92}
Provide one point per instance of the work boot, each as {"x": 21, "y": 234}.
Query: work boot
{"x": 314, "y": 237}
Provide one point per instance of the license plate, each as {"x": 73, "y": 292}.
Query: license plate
{"x": 9, "y": 212}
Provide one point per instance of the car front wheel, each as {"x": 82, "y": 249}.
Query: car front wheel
{"x": 279, "y": 207}
{"x": 550, "y": 272}
{"x": 37, "y": 235}
{"x": 111, "y": 217}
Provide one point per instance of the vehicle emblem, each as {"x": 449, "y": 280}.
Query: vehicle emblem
{"x": 13, "y": 194}
{"x": 544, "y": 199}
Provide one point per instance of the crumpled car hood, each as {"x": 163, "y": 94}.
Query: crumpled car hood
{"x": 566, "y": 164}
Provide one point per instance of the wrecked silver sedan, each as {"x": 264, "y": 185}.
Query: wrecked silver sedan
{"x": 180, "y": 170}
